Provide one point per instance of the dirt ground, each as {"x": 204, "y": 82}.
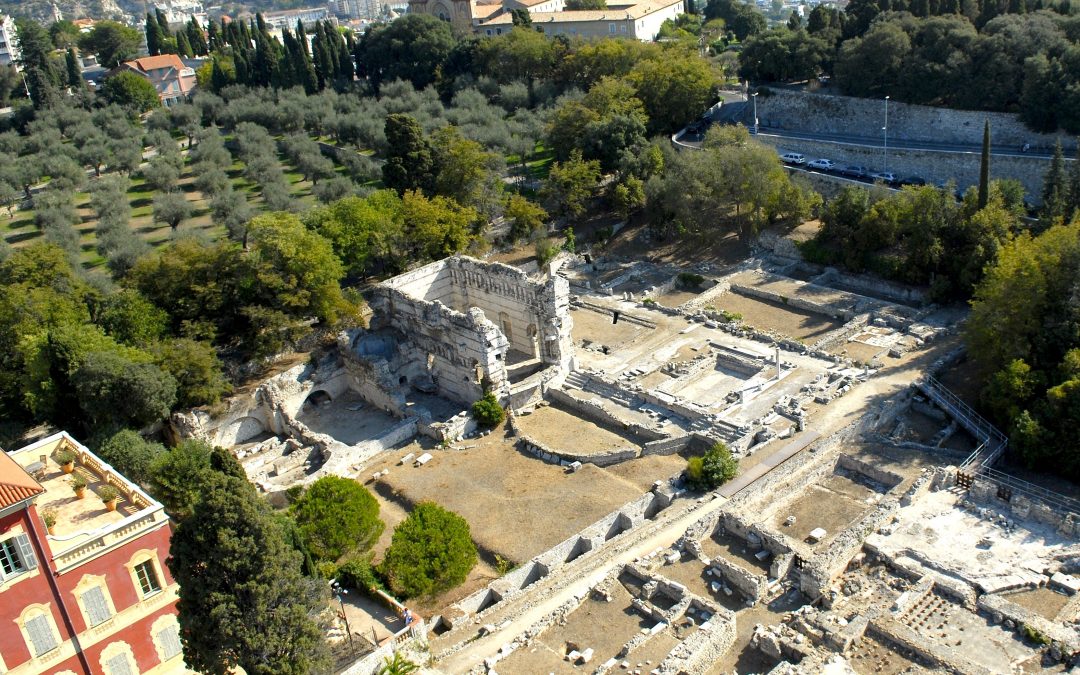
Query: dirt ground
{"x": 563, "y": 431}
{"x": 630, "y": 243}
{"x": 741, "y": 658}
{"x": 598, "y": 329}
{"x": 645, "y": 471}
{"x": 819, "y": 507}
{"x": 871, "y": 656}
{"x": 790, "y": 321}
{"x": 734, "y": 550}
{"x": 516, "y": 505}
{"x": 1045, "y": 602}
{"x": 602, "y": 626}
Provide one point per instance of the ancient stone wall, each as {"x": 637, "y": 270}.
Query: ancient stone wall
{"x": 532, "y": 315}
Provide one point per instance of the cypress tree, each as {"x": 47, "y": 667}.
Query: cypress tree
{"x": 984, "y": 168}
{"x": 1074, "y": 184}
{"x": 213, "y": 38}
{"x": 74, "y": 73}
{"x": 153, "y": 35}
{"x": 165, "y": 35}
{"x": 1055, "y": 192}
{"x": 183, "y": 48}
{"x": 196, "y": 38}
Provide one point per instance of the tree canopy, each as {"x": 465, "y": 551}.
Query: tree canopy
{"x": 336, "y": 516}
{"x": 431, "y": 551}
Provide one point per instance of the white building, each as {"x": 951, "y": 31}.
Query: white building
{"x": 181, "y": 11}
{"x": 309, "y": 16}
{"x": 639, "y": 19}
{"x": 9, "y": 42}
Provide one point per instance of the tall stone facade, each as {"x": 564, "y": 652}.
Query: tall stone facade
{"x": 461, "y": 320}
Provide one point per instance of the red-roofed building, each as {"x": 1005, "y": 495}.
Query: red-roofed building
{"x": 90, "y": 594}
{"x": 173, "y": 80}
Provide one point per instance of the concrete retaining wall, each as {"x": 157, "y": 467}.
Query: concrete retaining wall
{"x": 820, "y": 113}
{"x": 932, "y": 165}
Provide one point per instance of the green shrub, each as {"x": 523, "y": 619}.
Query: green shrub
{"x": 690, "y": 280}
{"x": 713, "y": 469}
{"x": 432, "y": 551}
{"x": 335, "y": 516}
{"x": 360, "y": 574}
{"x": 730, "y": 316}
{"x": 63, "y": 457}
{"x": 1035, "y": 635}
{"x": 648, "y": 301}
{"x": 108, "y": 493}
{"x": 487, "y": 411}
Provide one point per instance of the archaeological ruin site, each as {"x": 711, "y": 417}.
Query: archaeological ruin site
{"x": 869, "y": 529}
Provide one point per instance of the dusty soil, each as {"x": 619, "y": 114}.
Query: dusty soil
{"x": 645, "y": 471}
{"x": 602, "y": 626}
{"x": 860, "y": 352}
{"x": 1045, "y": 602}
{"x": 725, "y": 249}
{"x": 790, "y": 321}
{"x": 819, "y": 507}
{"x": 734, "y": 550}
{"x": 676, "y": 297}
{"x": 598, "y": 329}
{"x": 516, "y": 505}
{"x": 871, "y": 656}
{"x": 563, "y": 431}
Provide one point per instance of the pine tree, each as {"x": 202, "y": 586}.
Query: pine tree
{"x": 243, "y": 600}
{"x": 984, "y": 168}
{"x": 1055, "y": 192}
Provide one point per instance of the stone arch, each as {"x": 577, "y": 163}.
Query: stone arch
{"x": 534, "y": 339}
{"x": 506, "y": 326}
{"x": 319, "y": 397}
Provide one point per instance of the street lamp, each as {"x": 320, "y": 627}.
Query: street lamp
{"x": 754, "y": 96}
{"x": 339, "y": 592}
{"x": 885, "y": 129}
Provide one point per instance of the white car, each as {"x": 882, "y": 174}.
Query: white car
{"x": 822, "y": 164}
{"x": 792, "y": 158}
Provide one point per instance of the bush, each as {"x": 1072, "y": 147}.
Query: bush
{"x": 63, "y": 457}
{"x": 337, "y": 515}
{"x": 713, "y": 469}
{"x": 487, "y": 411}
{"x": 690, "y": 280}
{"x": 432, "y": 551}
{"x": 130, "y": 454}
{"x": 360, "y": 574}
{"x": 1035, "y": 635}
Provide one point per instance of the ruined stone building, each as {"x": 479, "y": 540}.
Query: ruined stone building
{"x": 459, "y": 326}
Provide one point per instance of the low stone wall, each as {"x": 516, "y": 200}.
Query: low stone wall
{"x": 751, "y": 586}
{"x": 801, "y": 303}
{"x": 595, "y": 412}
{"x": 1064, "y": 643}
{"x": 886, "y": 478}
{"x": 1025, "y": 507}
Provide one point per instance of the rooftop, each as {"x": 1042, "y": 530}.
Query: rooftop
{"x": 83, "y": 526}
{"x": 16, "y": 484}
{"x": 618, "y": 13}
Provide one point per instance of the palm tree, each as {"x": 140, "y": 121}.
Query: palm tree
{"x": 398, "y": 665}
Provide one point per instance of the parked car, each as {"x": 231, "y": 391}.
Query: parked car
{"x": 913, "y": 180}
{"x": 887, "y": 177}
{"x": 856, "y": 172}
{"x": 793, "y": 158}
{"x": 822, "y": 165}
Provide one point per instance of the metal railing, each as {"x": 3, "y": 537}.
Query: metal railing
{"x": 992, "y": 445}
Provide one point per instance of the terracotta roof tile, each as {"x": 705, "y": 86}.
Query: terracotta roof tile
{"x": 15, "y": 484}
